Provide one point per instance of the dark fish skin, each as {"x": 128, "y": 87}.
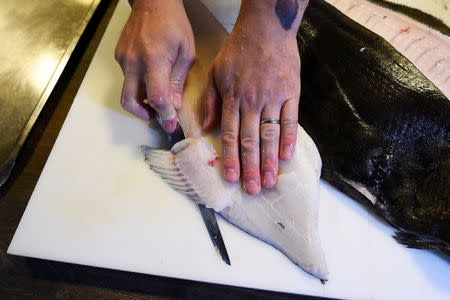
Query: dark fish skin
{"x": 378, "y": 122}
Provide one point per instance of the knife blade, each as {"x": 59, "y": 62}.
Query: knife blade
{"x": 208, "y": 215}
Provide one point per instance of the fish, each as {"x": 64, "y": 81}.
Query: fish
{"x": 371, "y": 124}
{"x": 380, "y": 123}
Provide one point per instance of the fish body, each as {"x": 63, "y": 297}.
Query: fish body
{"x": 381, "y": 126}
{"x": 285, "y": 217}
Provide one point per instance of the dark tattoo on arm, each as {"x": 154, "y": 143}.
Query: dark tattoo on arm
{"x": 286, "y": 11}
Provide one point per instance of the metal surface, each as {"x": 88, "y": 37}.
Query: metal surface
{"x": 38, "y": 38}
{"x": 209, "y": 218}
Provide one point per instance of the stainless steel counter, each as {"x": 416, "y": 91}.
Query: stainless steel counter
{"x": 37, "y": 39}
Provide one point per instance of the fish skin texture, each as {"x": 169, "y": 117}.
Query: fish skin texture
{"x": 426, "y": 48}
{"x": 382, "y": 128}
{"x": 285, "y": 217}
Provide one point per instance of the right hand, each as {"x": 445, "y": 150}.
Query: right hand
{"x": 155, "y": 51}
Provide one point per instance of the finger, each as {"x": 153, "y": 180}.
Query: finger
{"x": 250, "y": 152}
{"x": 133, "y": 95}
{"x": 157, "y": 82}
{"x": 211, "y": 105}
{"x": 230, "y": 130}
{"x": 180, "y": 69}
{"x": 289, "y": 128}
{"x": 270, "y": 139}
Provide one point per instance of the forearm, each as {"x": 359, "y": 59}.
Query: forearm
{"x": 276, "y": 18}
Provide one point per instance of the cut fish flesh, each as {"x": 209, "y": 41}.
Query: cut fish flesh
{"x": 285, "y": 217}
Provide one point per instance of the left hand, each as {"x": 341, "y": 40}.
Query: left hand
{"x": 255, "y": 76}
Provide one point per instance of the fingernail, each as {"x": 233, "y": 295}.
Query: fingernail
{"x": 251, "y": 187}
{"x": 231, "y": 174}
{"x": 169, "y": 125}
{"x": 268, "y": 180}
{"x": 287, "y": 151}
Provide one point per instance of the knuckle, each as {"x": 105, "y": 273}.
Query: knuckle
{"x": 228, "y": 89}
{"x": 229, "y": 138}
{"x": 269, "y": 167}
{"x": 125, "y": 103}
{"x": 250, "y": 172}
{"x": 289, "y": 123}
{"x": 230, "y": 105}
{"x": 151, "y": 59}
{"x": 129, "y": 63}
{"x": 249, "y": 144}
{"x": 157, "y": 101}
{"x": 118, "y": 56}
{"x": 250, "y": 101}
{"x": 250, "y": 94}
{"x": 288, "y": 138}
{"x": 268, "y": 163}
{"x": 291, "y": 88}
{"x": 269, "y": 135}
{"x": 189, "y": 57}
{"x": 176, "y": 83}
{"x": 230, "y": 161}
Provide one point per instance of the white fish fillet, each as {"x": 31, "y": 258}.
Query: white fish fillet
{"x": 426, "y": 48}
{"x": 285, "y": 217}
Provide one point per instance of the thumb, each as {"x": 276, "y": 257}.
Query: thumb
{"x": 211, "y": 104}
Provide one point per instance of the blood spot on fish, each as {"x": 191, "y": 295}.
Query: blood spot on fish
{"x": 405, "y": 30}
{"x": 212, "y": 163}
{"x": 281, "y": 225}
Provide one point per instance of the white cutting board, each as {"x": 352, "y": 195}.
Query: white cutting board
{"x": 98, "y": 204}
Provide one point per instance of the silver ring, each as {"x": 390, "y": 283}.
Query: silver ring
{"x": 270, "y": 121}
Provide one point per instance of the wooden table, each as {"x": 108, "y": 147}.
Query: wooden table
{"x": 22, "y": 277}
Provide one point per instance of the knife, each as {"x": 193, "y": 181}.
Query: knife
{"x": 209, "y": 218}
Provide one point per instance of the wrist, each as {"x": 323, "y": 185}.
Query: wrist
{"x": 276, "y": 18}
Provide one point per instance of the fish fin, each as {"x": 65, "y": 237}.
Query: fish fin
{"x": 162, "y": 162}
{"x": 416, "y": 241}
{"x": 335, "y": 180}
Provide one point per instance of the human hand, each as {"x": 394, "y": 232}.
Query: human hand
{"x": 155, "y": 51}
{"x": 255, "y": 76}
